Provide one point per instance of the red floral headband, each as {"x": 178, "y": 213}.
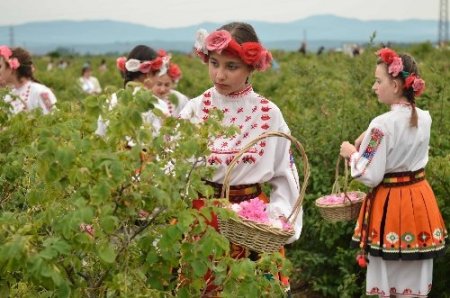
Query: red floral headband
{"x": 252, "y": 53}
{"x": 395, "y": 67}
{"x": 6, "y": 53}
{"x": 135, "y": 65}
{"x": 174, "y": 72}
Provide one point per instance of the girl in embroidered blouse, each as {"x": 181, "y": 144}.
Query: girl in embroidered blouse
{"x": 164, "y": 85}
{"x": 16, "y": 70}
{"x": 233, "y": 53}
{"x": 139, "y": 70}
{"x": 400, "y": 226}
{"x": 88, "y": 82}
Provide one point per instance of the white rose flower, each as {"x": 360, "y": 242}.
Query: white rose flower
{"x": 200, "y": 37}
{"x": 165, "y": 66}
{"x": 133, "y": 65}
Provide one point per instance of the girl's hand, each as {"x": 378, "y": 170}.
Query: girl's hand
{"x": 347, "y": 150}
{"x": 359, "y": 140}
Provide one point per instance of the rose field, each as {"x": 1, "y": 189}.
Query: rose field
{"x": 69, "y": 200}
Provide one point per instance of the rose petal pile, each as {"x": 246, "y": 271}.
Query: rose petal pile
{"x": 257, "y": 211}
{"x": 336, "y": 199}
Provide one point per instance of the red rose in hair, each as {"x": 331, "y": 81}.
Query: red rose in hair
{"x": 251, "y": 52}
{"x": 120, "y": 63}
{"x": 265, "y": 61}
{"x": 387, "y": 55}
{"x": 409, "y": 80}
{"x": 174, "y": 72}
{"x": 161, "y": 53}
{"x": 417, "y": 84}
{"x": 157, "y": 63}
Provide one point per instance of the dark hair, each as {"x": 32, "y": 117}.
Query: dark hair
{"x": 84, "y": 69}
{"x": 241, "y": 32}
{"x": 409, "y": 66}
{"x": 141, "y": 53}
{"x": 26, "y": 67}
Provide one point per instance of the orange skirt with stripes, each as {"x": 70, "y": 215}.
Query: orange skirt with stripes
{"x": 401, "y": 221}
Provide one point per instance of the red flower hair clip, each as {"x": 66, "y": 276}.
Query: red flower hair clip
{"x": 392, "y": 60}
{"x": 416, "y": 83}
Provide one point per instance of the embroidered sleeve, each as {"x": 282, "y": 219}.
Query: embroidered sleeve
{"x": 48, "y": 100}
{"x": 368, "y": 165}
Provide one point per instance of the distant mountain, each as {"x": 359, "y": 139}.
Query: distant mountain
{"x": 113, "y": 36}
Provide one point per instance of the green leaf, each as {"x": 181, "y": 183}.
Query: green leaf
{"x": 200, "y": 267}
{"x": 108, "y": 223}
{"x": 107, "y": 254}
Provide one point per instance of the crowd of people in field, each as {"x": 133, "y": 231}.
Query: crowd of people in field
{"x": 400, "y": 229}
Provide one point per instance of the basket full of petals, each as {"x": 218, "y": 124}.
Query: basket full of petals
{"x": 254, "y": 227}
{"x": 340, "y": 205}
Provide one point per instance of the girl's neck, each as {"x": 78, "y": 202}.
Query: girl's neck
{"x": 18, "y": 83}
{"x": 400, "y": 101}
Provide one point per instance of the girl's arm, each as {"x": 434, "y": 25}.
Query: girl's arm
{"x": 368, "y": 164}
{"x": 285, "y": 184}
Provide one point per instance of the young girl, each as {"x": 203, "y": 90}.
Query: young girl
{"x": 164, "y": 84}
{"x": 16, "y": 70}
{"x": 233, "y": 52}
{"x": 139, "y": 70}
{"x": 89, "y": 83}
{"x": 400, "y": 225}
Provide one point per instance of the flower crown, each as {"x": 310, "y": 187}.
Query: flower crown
{"x": 135, "y": 65}
{"x": 395, "y": 67}
{"x": 6, "y": 53}
{"x": 169, "y": 68}
{"x": 161, "y": 64}
{"x": 252, "y": 53}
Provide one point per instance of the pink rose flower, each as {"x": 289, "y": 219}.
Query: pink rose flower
{"x": 218, "y": 41}
{"x": 418, "y": 86}
{"x": 396, "y": 66}
{"x": 254, "y": 210}
{"x": 88, "y": 229}
{"x": 14, "y": 63}
{"x": 5, "y": 52}
{"x": 145, "y": 66}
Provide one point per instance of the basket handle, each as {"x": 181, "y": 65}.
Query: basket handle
{"x": 336, "y": 189}
{"x": 306, "y": 172}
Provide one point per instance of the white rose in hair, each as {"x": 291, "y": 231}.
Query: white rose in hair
{"x": 133, "y": 65}
{"x": 200, "y": 37}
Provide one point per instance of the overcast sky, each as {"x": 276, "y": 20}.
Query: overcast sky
{"x": 177, "y": 13}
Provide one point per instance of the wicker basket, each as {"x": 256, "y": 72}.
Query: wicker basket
{"x": 257, "y": 236}
{"x": 346, "y": 211}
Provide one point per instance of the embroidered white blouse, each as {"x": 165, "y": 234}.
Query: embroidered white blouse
{"x": 175, "y": 109}
{"x": 31, "y": 96}
{"x": 268, "y": 161}
{"x": 148, "y": 117}
{"x": 90, "y": 85}
{"x": 391, "y": 145}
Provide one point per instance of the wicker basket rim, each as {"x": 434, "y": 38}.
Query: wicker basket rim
{"x": 262, "y": 227}
{"x": 344, "y": 204}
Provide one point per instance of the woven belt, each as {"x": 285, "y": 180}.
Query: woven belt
{"x": 403, "y": 178}
{"x": 238, "y": 193}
